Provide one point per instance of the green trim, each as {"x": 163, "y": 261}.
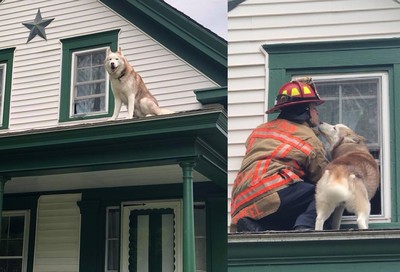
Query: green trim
{"x": 213, "y": 96}
{"x": 381, "y": 55}
{"x": 76, "y": 44}
{"x": 198, "y": 135}
{"x": 199, "y": 47}
{"x": 7, "y": 57}
{"x": 315, "y": 251}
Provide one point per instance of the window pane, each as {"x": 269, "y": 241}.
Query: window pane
{"x": 98, "y": 58}
{"x": 4, "y": 227}
{"x": 361, "y": 114}
{"x": 113, "y": 255}
{"x": 113, "y": 223}
{"x": 16, "y": 227}
{"x": 98, "y": 88}
{"x": 15, "y": 247}
{"x": 3, "y": 247}
{"x": 90, "y": 105}
{"x": 98, "y": 73}
{"x": 11, "y": 265}
{"x": 83, "y": 74}
{"x": 83, "y": 90}
{"x": 84, "y": 60}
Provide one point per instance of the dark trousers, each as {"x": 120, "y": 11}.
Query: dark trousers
{"x": 297, "y": 208}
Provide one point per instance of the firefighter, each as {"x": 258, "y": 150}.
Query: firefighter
{"x": 275, "y": 186}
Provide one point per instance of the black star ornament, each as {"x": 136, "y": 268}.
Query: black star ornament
{"x": 37, "y": 26}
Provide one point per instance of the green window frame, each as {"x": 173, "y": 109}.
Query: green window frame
{"x": 70, "y": 48}
{"x": 346, "y": 58}
{"x": 6, "y": 66}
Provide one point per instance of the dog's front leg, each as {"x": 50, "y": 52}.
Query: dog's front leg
{"x": 117, "y": 108}
{"x": 131, "y": 105}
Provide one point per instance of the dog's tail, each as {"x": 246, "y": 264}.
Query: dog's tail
{"x": 162, "y": 111}
{"x": 334, "y": 187}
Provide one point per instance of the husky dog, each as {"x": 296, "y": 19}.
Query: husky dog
{"x": 129, "y": 88}
{"x": 350, "y": 179}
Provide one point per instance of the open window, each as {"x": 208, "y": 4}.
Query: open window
{"x": 89, "y": 88}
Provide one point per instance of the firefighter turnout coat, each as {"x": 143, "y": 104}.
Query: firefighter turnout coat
{"x": 278, "y": 153}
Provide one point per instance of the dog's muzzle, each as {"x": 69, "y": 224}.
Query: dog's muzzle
{"x": 112, "y": 65}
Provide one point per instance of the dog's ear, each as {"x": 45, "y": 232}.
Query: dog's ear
{"x": 119, "y": 50}
{"x": 108, "y": 51}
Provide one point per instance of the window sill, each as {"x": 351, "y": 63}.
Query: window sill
{"x": 298, "y": 236}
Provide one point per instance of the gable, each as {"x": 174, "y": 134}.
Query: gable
{"x": 201, "y": 48}
{"x": 173, "y": 58}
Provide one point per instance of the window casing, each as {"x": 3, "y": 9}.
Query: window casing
{"x": 14, "y": 241}
{"x": 352, "y": 58}
{"x": 6, "y": 65}
{"x": 3, "y": 69}
{"x": 85, "y": 88}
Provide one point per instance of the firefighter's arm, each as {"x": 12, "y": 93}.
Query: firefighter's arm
{"x": 315, "y": 163}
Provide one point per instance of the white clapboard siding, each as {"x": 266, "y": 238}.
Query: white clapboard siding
{"x": 35, "y": 95}
{"x": 257, "y": 22}
{"x": 57, "y": 234}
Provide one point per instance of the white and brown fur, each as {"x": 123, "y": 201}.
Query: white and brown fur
{"x": 128, "y": 88}
{"x": 350, "y": 180}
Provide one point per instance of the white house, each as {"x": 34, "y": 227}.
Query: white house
{"x": 81, "y": 193}
{"x": 351, "y": 49}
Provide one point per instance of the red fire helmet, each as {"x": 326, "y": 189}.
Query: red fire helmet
{"x": 294, "y": 93}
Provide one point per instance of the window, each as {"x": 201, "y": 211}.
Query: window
{"x": 360, "y": 102}
{"x": 112, "y": 239}
{"x": 359, "y": 79}
{"x": 90, "y": 83}
{"x": 200, "y": 237}
{"x": 85, "y": 88}
{"x": 13, "y": 241}
{"x": 2, "y": 87}
{"x": 151, "y": 237}
{"x": 6, "y": 64}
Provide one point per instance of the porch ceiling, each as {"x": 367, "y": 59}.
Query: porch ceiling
{"x": 166, "y": 174}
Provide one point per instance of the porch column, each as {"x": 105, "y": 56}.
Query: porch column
{"x": 189, "y": 256}
{"x": 3, "y": 181}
